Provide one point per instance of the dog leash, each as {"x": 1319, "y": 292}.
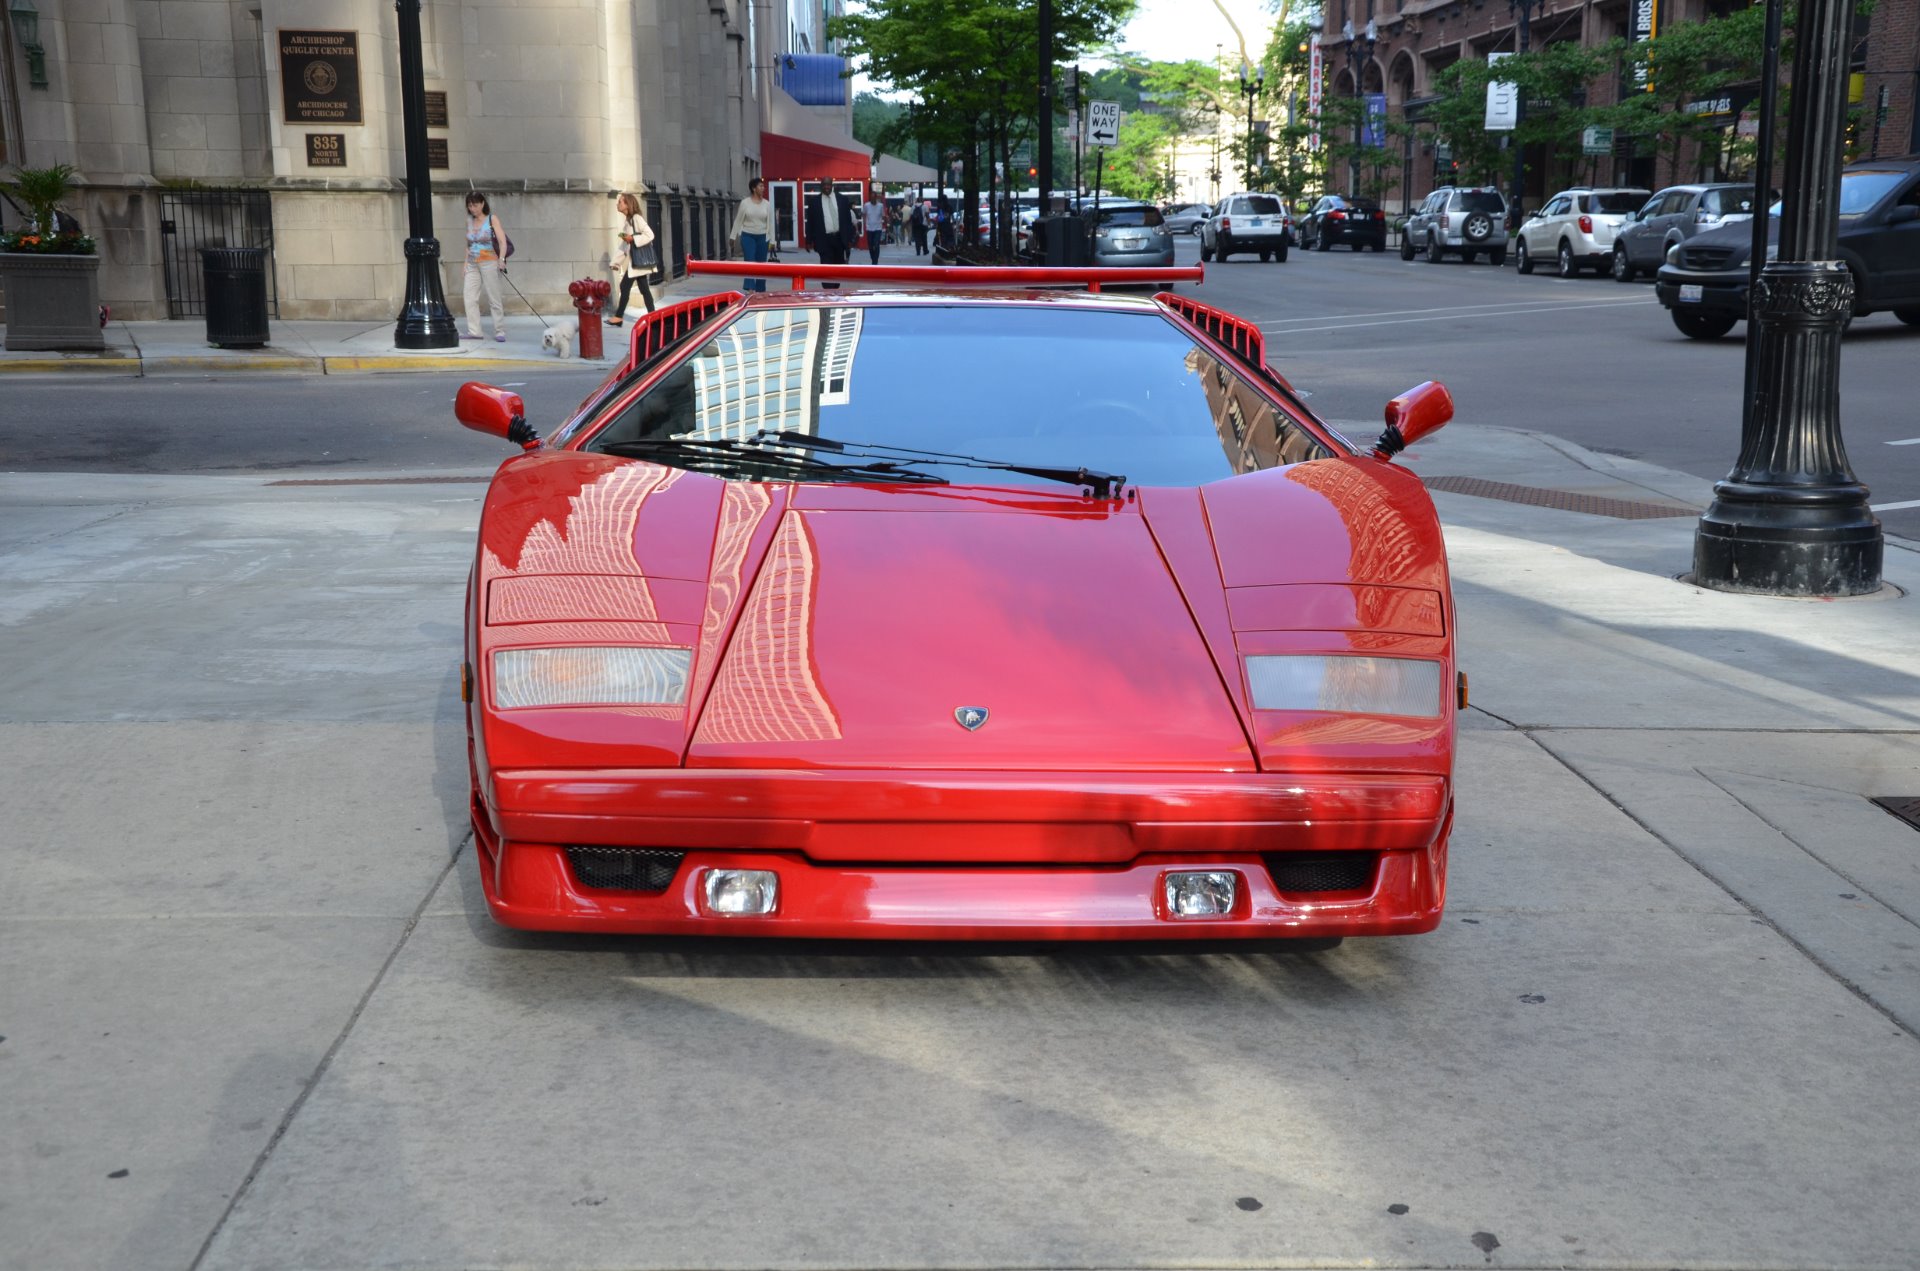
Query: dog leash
{"x": 528, "y": 303}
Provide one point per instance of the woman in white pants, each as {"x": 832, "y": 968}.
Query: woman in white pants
{"x": 484, "y": 239}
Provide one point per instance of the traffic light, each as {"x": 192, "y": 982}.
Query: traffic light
{"x": 1033, "y": 172}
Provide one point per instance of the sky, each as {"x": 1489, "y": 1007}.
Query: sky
{"x": 1174, "y": 30}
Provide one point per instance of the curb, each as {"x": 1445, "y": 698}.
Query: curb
{"x": 266, "y": 362}
{"x": 345, "y": 364}
{"x": 81, "y": 362}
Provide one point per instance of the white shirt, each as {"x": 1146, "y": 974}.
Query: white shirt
{"x": 754, "y": 217}
{"x": 830, "y": 212}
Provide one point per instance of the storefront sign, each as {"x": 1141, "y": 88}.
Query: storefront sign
{"x": 320, "y": 76}
{"x": 326, "y": 150}
{"x": 436, "y": 108}
{"x": 437, "y": 152}
{"x": 1316, "y": 72}
{"x": 1596, "y": 140}
{"x": 1373, "y": 131}
{"x": 1646, "y": 25}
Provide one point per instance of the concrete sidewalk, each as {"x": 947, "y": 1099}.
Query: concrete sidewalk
{"x": 255, "y": 1016}
{"x": 313, "y": 347}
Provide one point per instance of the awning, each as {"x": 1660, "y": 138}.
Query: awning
{"x": 799, "y": 143}
{"x": 891, "y": 168}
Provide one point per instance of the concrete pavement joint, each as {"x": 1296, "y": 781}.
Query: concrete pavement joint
{"x": 1829, "y": 866}
{"x": 1757, "y": 915}
{"x": 326, "y": 1060}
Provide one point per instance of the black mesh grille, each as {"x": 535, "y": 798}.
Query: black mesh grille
{"x": 624, "y": 868}
{"x": 1321, "y": 871}
{"x": 1706, "y": 257}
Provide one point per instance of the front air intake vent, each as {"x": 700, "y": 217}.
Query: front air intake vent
{"x": 624, "y": 868}
{"x": 1316, "y": 872}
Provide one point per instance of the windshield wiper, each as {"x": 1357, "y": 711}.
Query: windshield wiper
{"x": 705, "y": 453}
{"x": 1104, "y": 485}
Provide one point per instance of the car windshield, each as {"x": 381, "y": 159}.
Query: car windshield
{"x": 1260, "y": 205}
{"x": 1859, "y": 191}
{"x": 1130, "y": 216}
{"x": 1613, "y": 203}
{"x": 1120, "y": 392}
{"x": 1481, "y": 201}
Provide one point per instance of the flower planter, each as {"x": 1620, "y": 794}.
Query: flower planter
{"x": 53, "y": 302}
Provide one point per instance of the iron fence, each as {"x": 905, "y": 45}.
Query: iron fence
{"x": 192, "y": 219}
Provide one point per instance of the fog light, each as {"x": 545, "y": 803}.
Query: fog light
{"x": 1208, "y": 895}
{"x": 741, "y": 893}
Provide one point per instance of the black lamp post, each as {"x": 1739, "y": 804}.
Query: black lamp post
{"x": 1791, "y": 519}
{"x": 1251, "y": 90}
{"x": 1525, "y": 10}
{"x": 1043, "y": 143}
{"x": 424, "y": 321}
{"x": 1359, "y": 53}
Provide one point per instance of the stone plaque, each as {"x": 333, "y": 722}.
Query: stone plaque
{"x": 326, "y": 150}
{"x": 320, "y": 76}
{"x": 436, "y": 108}
{"x": 437, "y": 152}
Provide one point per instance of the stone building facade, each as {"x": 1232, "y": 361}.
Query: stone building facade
{"x": 552, "y": 107}
{"x": 1416, "y": 39}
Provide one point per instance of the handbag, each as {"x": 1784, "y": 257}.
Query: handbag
{"x": 502, "y": 244}
{"x": 643, "y": 255}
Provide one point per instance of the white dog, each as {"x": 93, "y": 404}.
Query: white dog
{"x": 559, "y": 337}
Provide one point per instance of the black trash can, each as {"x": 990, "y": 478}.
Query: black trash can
{"x": 1064, "y": 242}
{"x": 236, "y": 291}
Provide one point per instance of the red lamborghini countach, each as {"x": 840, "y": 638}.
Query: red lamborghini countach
{"x": 942, "y": 613}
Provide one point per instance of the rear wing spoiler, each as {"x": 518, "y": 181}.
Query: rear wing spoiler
{"x": 943, "y": 276}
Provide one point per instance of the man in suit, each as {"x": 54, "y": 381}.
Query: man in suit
{"x": 831, "y": 227}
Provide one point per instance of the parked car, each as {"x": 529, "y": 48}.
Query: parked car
{"x": 1359, "y": 223}
{"x": 1671, "y": 217}
{"x": 1470, "y": 222}
{"x": 1130, "y": 234}
{"x": 1575, "y": 228}
{"x": 1247, "y": 223}
{"x": 1186, "y": 218}
{"x": 1704, "y": 282}
{"x": 843, "y": 683}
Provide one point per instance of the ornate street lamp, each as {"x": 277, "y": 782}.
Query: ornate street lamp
{"x": 26, "y": 28}
{"x": 1359, "y": 53}
{"x": 1525, "y": 10}
{"x": 424, "y": 321}
{"x": 1251, "y": 90}
{"x": 1791, "y": 519}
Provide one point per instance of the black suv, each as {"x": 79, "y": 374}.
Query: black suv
{"x": 1704, "y": 282}
{"x": 1359, "y": 223}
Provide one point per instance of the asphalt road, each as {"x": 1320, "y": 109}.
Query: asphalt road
{"x": 1589, "y": 360}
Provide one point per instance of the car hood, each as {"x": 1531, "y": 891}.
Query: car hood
{"x": 850, "y": 626}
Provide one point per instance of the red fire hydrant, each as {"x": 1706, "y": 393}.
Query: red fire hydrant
{"x": 590, "y": 298}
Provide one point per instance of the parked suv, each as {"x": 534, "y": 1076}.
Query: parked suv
{"x": 1704, "y": 282}
{"x": 1247, "y": 223}
{"x": 1457, "y": 219}
{"x": 1186, "y": 218}
{"x": 1670, "y": 218}
{"x": 1576, "y": 227}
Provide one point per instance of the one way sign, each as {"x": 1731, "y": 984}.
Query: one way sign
{"x": 1103, "y": 123}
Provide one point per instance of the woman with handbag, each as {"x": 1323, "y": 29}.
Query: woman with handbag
{"x": 636, "y": 256}
{"x": 752, "y": 227}
{"x": 486, "y": 257}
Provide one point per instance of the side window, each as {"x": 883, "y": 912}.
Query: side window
{"x": 1912, "y": 197}
{"x": 1676, "y": 203}
{"x": 1652, "y": 206}
{"x": 1557, "y": 207}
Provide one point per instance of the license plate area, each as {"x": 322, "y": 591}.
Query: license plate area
{"x": 1690, "y": 293}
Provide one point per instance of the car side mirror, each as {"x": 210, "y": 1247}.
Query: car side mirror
{"x": 1421, "y": 410}
{"x": 1904, "y": 213}
{"x": 496, "y": 412}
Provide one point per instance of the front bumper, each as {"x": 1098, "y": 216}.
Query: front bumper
{"x": 963, "y": 855}
{"x": 1721, "y": 291}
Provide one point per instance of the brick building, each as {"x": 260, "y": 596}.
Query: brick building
{"x": 1417, "y": 39}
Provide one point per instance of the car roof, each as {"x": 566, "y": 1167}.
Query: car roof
{"x": 1905, "y": 163}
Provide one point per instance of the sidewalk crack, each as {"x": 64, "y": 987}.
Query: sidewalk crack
{"x": 326, "y": 1060}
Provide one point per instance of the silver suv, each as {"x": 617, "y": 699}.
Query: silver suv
{"x": 1469, "y": 222}
{"x": 1247, "y": 223}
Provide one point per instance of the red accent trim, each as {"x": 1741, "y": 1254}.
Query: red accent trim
{"x": 947, "y": 275}
{"x": 1236, "y": 334}
{"x": 661, "y": 328}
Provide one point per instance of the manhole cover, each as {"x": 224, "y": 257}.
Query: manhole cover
{"x": 1906, "y": 807}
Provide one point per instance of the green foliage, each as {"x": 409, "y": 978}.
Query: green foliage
{"x": 1140, "y": 166}
{"x": 878, "y": 122}
{"x": 40, "y": 191}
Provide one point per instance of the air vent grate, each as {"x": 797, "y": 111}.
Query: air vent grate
{"x": 1904, "y": 806}
{"x": 624, "y": 868}
{"x": 1314, "y": 872}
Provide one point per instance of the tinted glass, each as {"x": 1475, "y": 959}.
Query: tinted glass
{"x": 1480, "y": 201}
{"x": 1859, "y": 191}
{"x": 1260, "y": 205}
{"x": 1120, "y": 392}
{"x": 1131, "y": 216}
{"x": 1728, "y": 202}
{"x": 1608, "y": 203}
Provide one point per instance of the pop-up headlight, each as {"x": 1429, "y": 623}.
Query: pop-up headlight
{"x": 584, "y": 675}
{"x": 1349, "y": 685}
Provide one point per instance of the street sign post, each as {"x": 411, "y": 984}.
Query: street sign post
{"x": 1596, "y": 140}
{"x": 1103, "y": 123}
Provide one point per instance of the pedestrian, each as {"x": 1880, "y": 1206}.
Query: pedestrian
{"x": 485, "y": 259}
{"x": 752, "y": 227}
{"x": 876, "y": 212}
{"x": 830, "y": 226}
{"x": 919, "y": 227}
{"x": 636, "y": 255}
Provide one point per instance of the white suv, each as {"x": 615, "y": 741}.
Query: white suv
{"x": 1247, "y": 223}
{"x": 1576, "y": 227}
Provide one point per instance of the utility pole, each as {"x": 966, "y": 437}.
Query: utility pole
{"x": 1524, "y": 41}
{"x": 1045, "y": 139}
{"x": 1791, "y": 519}
{"x": 424, "y": 321}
